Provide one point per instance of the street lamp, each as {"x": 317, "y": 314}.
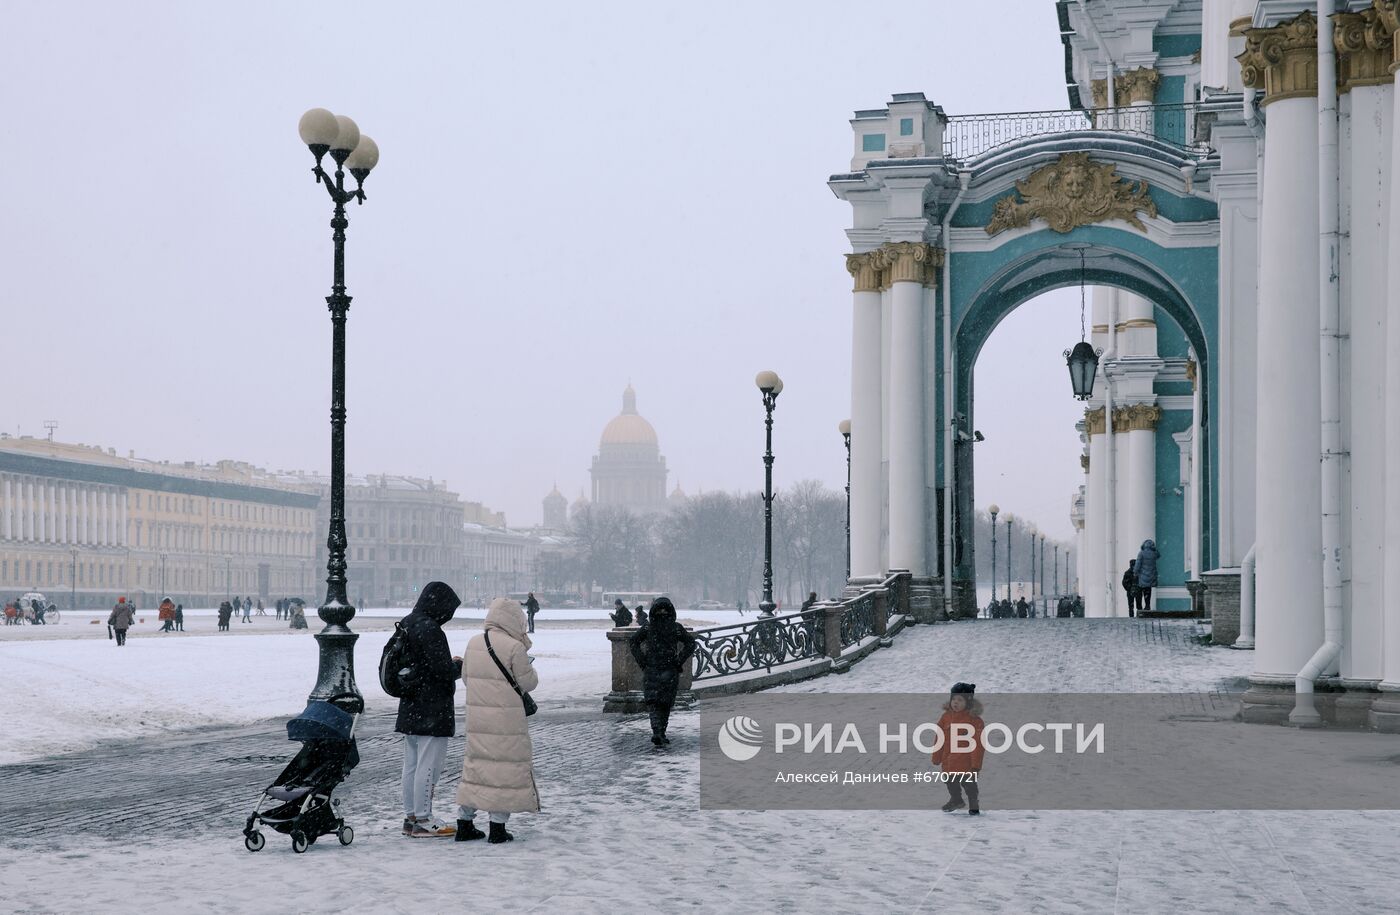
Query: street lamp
{"x": 771, "y": 386}
{"x": 1009, "y": 519}
{"x": 1032, "y": 533}
{"x": 1042, "y": 563}
{"x": 1083, "y": 359}
{"x": 1057, "y": 570}
{"x": 994, "y": 509}
{"x": 845, "y": 428}
{"x": 324, "y": 132}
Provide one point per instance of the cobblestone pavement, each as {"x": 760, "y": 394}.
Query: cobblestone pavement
{"x": 621, "y": 830}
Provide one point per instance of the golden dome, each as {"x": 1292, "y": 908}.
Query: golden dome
{"x": 628, "y": 428}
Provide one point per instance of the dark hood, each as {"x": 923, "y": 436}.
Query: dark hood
{"x": 1149, "y": 545}
{"x": 438, "y": 602}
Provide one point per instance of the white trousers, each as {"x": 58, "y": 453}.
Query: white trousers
{"x": 423, "y": 758}
{"x": 469, "y": 813}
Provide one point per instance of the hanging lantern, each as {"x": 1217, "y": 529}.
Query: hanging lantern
{"x": 1083, "y": 365}
{"x": 1083, "y": 360}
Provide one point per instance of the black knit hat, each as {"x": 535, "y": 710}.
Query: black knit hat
{"x": 968, "y": 688}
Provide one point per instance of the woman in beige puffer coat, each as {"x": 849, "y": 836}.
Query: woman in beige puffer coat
{"x": 497, "y": 774}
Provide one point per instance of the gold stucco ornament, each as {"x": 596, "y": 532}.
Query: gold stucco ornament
{"x": 1072, "y": 192}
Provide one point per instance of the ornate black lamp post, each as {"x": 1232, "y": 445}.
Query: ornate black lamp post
{"x": 994, "y": 509}
{"x": 324, "y": 132}
{"x": 1009, "y": 519}
{"x": 845, "y": 428}
{"x": 1033, "y": 530}
{"x": 1057, "y": 570}
{"x": 771, "y": 386}
{"x": 1042, "y": 563}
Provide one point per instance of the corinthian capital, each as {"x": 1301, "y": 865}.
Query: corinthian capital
{"x": 1136, "y": 417}
{"x": 865, "y": 270}
{"x": 1388, "y": 17}
{"x": 1131, "y": 88}
{"x": 1282, "y": 60}
{"x": 1365, "y": 49}
{"x": 912, "y": 261}
{"x": 1094, "y": 422}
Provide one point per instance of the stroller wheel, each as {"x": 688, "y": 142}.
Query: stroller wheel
{"x": 345, "y": 834}
{"x": 299, "y": 843}
{"x": 254, "y": 841}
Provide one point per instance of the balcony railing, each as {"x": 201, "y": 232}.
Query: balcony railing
{"x": 970, "y": 135}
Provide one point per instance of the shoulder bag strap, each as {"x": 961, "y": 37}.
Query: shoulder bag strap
{"x": 505, "y": 673}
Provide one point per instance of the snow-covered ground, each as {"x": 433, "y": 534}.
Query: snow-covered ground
{"x": 68, "y": 687}
{"x": 621, "y": 832}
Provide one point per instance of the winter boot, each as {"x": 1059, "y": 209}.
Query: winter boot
{"x": 466, "y": 831}
{"x": 952, "y": 805}
{"x": 657, "y": 739}
{"x": 499, "y": 834}
{"x": 974, "y": 812}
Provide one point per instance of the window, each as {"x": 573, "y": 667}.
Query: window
{"x": 872, "y": 142}
{"x": 906, "y": 127}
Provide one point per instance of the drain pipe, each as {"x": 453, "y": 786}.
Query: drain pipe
{"x": 1246, "y": 637}
{"x": 1324, "y": 660}
{"x": 950, "y": 435}
{"x": 1110, "y": 546}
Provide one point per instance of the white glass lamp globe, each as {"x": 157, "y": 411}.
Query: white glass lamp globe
{"x": 1007, "y": 518}
{"x": 769, "y": 382}
{"x": 318, "y": 127}
{"x": 994, "y": 509}
{"x": 845, "y": 427}
{"x": 347, "y": 135}
{"x": 365, "y": 156}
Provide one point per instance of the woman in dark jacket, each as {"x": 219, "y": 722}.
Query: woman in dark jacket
{"x": 662, "y": 649}
{"x": 1147, "y": 573}
{"x": 225, "y": 613}
{"x": 427, "y": 718}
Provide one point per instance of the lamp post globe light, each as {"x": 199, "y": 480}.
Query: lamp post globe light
{"x": 771, "y": 386}
{"x": 845, "y": 428}
{"x": 323, "y": 132}
{"x": 994, "y": 510}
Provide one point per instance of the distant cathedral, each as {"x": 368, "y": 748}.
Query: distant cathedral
{"x": 629, "y": 471}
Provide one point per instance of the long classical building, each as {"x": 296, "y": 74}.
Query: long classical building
{"x": 1226, "y": 180}
{"x": 80, "y": 522}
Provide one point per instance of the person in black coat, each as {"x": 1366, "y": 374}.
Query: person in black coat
{"x": 621, "y": 616}
{"x": 662, "y": 648}
{"x": 427, "y": 718}
{"x": 532, "y": 607}
{"x": 225, "y": 613}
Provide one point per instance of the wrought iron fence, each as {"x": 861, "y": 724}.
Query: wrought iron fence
{"x": 759, "y": 644}
{"x": 969, "y": 135}
{"x": 858, "y": 619}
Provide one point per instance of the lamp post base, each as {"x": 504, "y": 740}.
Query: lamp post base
{"x": 335, "y": 681}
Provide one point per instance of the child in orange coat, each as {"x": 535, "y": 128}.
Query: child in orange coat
{"x": 962, "y": 717}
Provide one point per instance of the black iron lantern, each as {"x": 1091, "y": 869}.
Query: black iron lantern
{"x": 1083, "y": 365}
{"x": 1083, "y": 360}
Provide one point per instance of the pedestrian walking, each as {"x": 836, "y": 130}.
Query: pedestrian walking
{"x": 247, "y": 609}
{"x": 166, "y": 614}
{"x": 179, "y": 617}
{"x": 498, "y": 771}
{"x": 121, "y": 619}
{"x": 621, "y": 616}
{"x": 225, "y": 614}
{"x": 1130, "y": 586}
{"x": 427, "y": 718}
{"x": 532, "y": 607}
{"x": 1021, "y": 608}
{"x": 641, "y": 617}
{"x": 261, "y": 610}
{"x": 662, "y": 648}
{"x": 961, "y": 721}
{"x": 811, "y": 599}
{"x": 1147, "y": 574}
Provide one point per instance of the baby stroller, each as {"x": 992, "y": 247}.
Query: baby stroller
{"x": 299, "y": 800}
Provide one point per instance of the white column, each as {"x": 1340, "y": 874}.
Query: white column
{"x": 125, "y": 508}
{"x": 1138, "y": 444}
{"x": 26, "y": 489}
{"x": 1288, "y": 512}
{"x": 908, "y": 464}
{"x": 1391, "y": 580}
{"x": 1365, "y": 289}
{"x": 7, "y": 511}
{"x": 42, "y": 534}
{"x": 866, "y": 491}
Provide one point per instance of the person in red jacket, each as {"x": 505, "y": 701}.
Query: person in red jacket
{"x": 960, "y": 726}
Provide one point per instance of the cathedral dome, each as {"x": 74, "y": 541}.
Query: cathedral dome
{"x": 628, "y": 428}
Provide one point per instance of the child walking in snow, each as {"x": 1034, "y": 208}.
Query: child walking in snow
{"x": 960, "y": 752}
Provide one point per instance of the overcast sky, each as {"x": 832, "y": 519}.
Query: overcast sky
{"x": 570, "y": 197}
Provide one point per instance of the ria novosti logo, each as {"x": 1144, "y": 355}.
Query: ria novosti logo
{"x": 740, "y": 738}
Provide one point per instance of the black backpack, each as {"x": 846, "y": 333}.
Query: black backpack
{"x": 393, "y": 661}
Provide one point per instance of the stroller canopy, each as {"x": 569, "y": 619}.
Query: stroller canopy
{"x": 321, "y": 721}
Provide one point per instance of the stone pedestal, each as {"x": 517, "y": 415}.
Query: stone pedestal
{"x": 1221, "y": 591}
{"x": 926, "y": 600}
{"x": 964, "y": 600}
{"x": 1353, "y": 706}
{"x": 1384, "y": 715}
{"x": 626, "y": 695}
{"x": 1268, "y": 700}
